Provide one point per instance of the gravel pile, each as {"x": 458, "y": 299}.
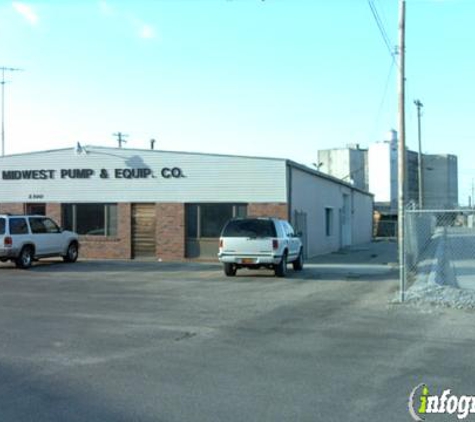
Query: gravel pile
{"x": 444, "y": 296}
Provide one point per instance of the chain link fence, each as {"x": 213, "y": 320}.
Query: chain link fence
{"x": 440, "y": 248}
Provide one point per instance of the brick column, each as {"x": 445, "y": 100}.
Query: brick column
{"x": 124, "y": 229}
{"x": 170, "y": 231}
{"x": 53, "y": 210}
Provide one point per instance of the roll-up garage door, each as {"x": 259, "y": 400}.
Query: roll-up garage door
{"x": 143, "y": 230}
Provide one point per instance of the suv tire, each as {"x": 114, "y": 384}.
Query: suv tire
{"x": 281, "y": 268}
{"x": 298, "y": 263}
{"x": 72, "y": 253}
{"x": 229, "y": 269}
{"x": 25, "y": 259}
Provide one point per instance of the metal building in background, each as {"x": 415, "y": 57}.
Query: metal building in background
{"x": 379, "y": 175}
{"x": 349, "y": 164}
{"x": 440, "y": 175}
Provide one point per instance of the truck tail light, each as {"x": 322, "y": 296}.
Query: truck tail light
{"x": 275, "y": 244}
{"x": 7, "y": 241}
{"x": 221, "y": 243}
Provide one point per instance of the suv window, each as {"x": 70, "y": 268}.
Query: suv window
{"x": 37, "y": 225}
{"x": 51, "y": 226}
{"x": 249, "y": 228}
{"x": 2, "y": 226}
{"x": 18, "y": 226}
{"x": 43, "y": 225}
{"x": 288, "y": 229}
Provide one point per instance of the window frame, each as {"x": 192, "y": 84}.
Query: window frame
{"x": 238, "y": 209}
{"x": 72, "y": 210}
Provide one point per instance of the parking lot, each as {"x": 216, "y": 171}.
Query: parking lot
{"x": 151, "y": 341}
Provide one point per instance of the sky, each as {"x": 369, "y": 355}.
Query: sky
{"x": 274, "y": 78}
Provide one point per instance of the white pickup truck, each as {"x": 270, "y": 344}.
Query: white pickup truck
{"x": 259, "y": 242}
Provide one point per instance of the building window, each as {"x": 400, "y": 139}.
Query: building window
{"x": 329, "y": 221}
{"x": 36, "y": 209}
{"x": 91, "y": 219}
{"x": 213, "y": 217}
{"x": 207, "y": 220}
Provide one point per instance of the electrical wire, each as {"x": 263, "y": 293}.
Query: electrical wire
{"x": 383, "y": 98}
{"x": 381, "y": 28}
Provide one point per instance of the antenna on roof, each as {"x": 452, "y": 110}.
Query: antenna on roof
{"x": 80, "y": 150}
{"x": 120, "y": 138}
{"x": 152, "y": 143}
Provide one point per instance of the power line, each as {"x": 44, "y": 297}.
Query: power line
{"x": 384, "y": 96}
{"x": 381, "y": 28}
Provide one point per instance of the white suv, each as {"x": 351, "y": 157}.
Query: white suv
{"x": 25, "y": 238}
{"x": 259, "y": 242}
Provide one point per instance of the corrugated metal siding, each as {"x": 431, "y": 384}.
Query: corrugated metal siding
{"x": 311, "y": 194}
{"x": 362, "y": 228}
{"x": 208, "y": 178}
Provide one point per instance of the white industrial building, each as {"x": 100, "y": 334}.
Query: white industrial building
{"x": 376, "y": 169}
{"x": 128, "y": 203}
{"x": 383, "y": 172}
{"x": 349, "y": 164}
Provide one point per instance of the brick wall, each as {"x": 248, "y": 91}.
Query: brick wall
{"x": 53, "y": 211}
{"x": 170, "y": 231}
{"x": 273, "y": 209}
{"x": 12, "y": 208}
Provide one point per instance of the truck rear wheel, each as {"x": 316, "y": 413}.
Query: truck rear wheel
{"x": 298, "y": 263}
{"x": 25, "y": 259}
{"x": 230, "y": 269}
{"x": 281, "y": 268}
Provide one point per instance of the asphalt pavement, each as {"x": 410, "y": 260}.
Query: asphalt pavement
{"x": 148, "y": 341}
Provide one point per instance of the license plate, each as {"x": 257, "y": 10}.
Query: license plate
{"x": 248, "y": 261}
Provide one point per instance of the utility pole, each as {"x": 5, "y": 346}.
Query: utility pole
{"x": 402, "y": 146}
{"x": 419, "y": 106}
{"x": 2, "y": 82}
{"x": 472, "y": 201}
{"x": 120, "y": 138}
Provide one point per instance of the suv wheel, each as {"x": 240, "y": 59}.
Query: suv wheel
{"x": 25, "y": 259}
{"x": 229, "y": 269}
{"x": 281, "y": 267}
{"x": 72, "y": 253}
{"x": 298, "y": 263}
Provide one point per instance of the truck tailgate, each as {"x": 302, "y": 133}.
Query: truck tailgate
{"x": 247, "y": 246}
